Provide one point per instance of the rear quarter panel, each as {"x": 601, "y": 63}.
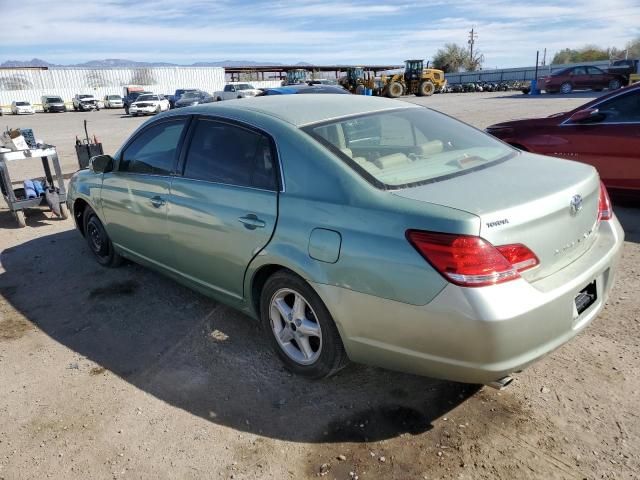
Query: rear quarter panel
{"x": 375, "y": 258}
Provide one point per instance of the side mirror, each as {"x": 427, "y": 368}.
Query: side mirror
{"x": 101, "y": 164}
{"x": 586, "y": 115}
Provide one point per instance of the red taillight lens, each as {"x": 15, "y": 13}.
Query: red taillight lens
{"x": 471, "y": 261}
{"x": 605, "y": 212}
{"x": 519, "y": 256}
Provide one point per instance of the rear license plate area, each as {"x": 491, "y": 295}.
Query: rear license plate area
{"x": 586, "y": 297}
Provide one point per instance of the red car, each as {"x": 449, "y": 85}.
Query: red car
{"x": 604, "y": 133}
{"x": 579, "y": 78}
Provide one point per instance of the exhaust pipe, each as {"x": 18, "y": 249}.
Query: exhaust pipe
{"x": 501, "y": 383}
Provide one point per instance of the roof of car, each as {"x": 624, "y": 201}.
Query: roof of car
{"x": 301, "y": 110}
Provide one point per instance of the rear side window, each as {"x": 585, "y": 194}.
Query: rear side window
{"x": 622, "y": 109}
{"x": 224, "y": 153}
{"x": 154, "y": 150}
{"x": 407, "y": 147}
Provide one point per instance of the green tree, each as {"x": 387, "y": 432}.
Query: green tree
{"x": 632, "y": 49}
{"x": 588, "y": 53}
{"x": 450, "y": 58}
{"x": 453, "y": 58}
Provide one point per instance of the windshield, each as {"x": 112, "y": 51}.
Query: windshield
{"x": 146, "y": 98}
{"x": 191, "y": 95}
{"x": 54, "y": 100}
{"x": 564, "y": 71}
{"x": 85, "y": 96}
{"x": 408, "y": 146}
{"x": 244, "y": 86}
{"x": 114, "y": 97}
{"x": 22, "y": 104}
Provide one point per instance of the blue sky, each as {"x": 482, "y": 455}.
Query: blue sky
{"x": 321, "y": 32}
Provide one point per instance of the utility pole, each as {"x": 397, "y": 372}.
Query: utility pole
{"x": 544, "y": 58}
{"x": 471, "y": 41}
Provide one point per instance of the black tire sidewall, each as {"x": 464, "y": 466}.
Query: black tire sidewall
{"x": 332, "y": 357}
{"x": 110, "y": 257}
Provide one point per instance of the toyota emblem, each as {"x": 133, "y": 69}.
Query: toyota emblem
{"x": 576, "y": 204}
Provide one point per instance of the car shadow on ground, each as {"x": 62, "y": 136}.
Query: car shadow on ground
{"x": 587, "y": 95}
{"x": 203, "y": 357}
{"x": 628, "y": 214}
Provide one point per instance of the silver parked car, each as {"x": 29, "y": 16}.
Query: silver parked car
{"x": 361, "y": 228}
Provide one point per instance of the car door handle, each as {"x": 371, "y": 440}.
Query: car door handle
{"x": 157, "y": 201}
{"x": 251, "y": 221}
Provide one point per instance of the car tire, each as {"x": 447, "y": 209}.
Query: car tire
{"x": 321, "y": 352}
{"x": 98, "y": 240}
{"x": 614, "y": 84}
{"x": 566, "y": 88}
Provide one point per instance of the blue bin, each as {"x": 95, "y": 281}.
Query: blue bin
{"x": 534, "y": 88}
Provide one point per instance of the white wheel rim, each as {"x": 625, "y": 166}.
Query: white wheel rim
{"x": 295, "y": 326}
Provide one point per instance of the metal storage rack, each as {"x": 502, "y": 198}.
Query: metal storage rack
{"x": 16, "y": 205}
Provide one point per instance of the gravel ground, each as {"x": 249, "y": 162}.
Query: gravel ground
{"x": 125, "y": 374}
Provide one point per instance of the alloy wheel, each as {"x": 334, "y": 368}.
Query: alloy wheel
{"x": 295, "y": 326}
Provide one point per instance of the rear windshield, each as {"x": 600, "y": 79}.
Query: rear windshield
{"x": 114, "y": 97}
{"x": 54, "y": 100}
{"x": 22, "y": 104}
{"x": 408, "y": 146}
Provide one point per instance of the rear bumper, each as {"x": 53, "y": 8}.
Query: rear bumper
{"x": 476, "y": 335}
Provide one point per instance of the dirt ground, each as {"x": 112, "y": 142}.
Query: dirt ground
{"x": 122, "y": 373}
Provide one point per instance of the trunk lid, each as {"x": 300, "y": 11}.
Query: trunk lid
{"x": 526, "y": 199}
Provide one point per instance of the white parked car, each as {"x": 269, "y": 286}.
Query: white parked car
{"x": 113, "y": 101}
{"x": 22, "y": 108}
{"x": 148, "y": 104}
{"x": 236, "y": 90}
{"x": 85, "y": 102}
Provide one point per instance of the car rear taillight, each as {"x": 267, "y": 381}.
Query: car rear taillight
{"x": 471, "y": 261}
{"x": 605, "y": 212}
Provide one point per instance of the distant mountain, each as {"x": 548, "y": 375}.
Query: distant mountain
{"x": 123, "y": 63}
{"x": 118, "y": 62}
{"x": 34, "y": 62}
{"x": 234, "y": 63}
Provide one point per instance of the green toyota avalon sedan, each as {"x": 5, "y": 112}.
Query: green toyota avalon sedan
{"x": 360, "y": 228}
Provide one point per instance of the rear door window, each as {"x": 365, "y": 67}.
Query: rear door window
{"x": 622, "y": 109}
{"x": 224, "y": 153}
{"x": 154, "y": 150}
